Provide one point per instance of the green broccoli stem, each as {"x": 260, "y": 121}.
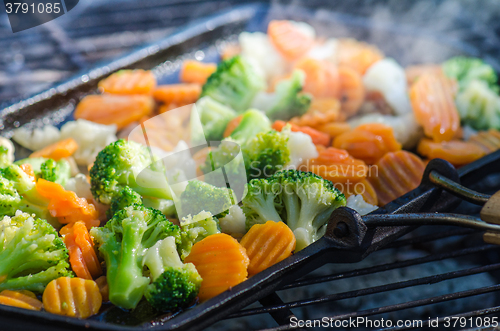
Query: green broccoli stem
{"x": 36, "y": 282}
{"x": 125, "y": 280}
{"x": 151, "y": 183}
{"x": 266, "y": 209}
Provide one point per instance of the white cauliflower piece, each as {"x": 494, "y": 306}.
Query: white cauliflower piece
{"x": 357, "y": 203}
{"x": 388, "y": 77}
{"x": 80, "y": 186}
{"x": 10, "y": 148}
{"x": 301, "y": 149}
{"x": 91, "y": 138}
{"x": 406, "y": 129}
{"x": 256, "y": 46}
{"x": 37, "y": 138}
{"x": 325, "y": 51}
{"x": 234, "y": 221}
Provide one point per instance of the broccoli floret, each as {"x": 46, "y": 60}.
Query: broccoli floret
{"x": 479, "y": 106}
{"x": 235, "y": 83}
{"x": 214, "y": 117}
{"x": 286, "y": 101}
{"x": 126, "y": 197}
{"x": 31, "y": 253}
{"x": 266, "y": 153}
{"x": 303, "y": 200}
{"x": 195, "y": 228}
{"x": 4, "y": 157}
{"x": 127, "y": 163}
{"x": 18, "y": 192}
{"x": 252, "y": 122}
{"x": 122, "y": 243}
{"x": 6, "y": 152}
{"x": 48, "y": 169}
{"x": 58, "y": 172}
{"x": 201, "y": 196}
{"x": 175, "y": 285}
{"x": 34, "y": 162}
{"x": 466, "y": 69}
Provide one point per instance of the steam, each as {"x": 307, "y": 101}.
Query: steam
{"x": 411, "y": 32}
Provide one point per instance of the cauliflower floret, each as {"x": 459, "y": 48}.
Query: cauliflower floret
{"x": 257, "y": 47}
{"x": 388, "y": 77}
{"x": 80, "y": 186}
{"x": 91, "y": 138}
{"x": 301, "y": 149}
{"x": 406, "y": 129}
{"x": 357, "y": 203}
{"x": 234, "y": 221}
{"x": 37, "y": 138}
{"x": 10, "y": 148}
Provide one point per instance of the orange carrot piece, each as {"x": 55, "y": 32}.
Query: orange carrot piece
{"x": 433, "y": 100}
{"x": 75, "y": 297}
{"x": 322, "y": 78}
{"x": 267, "y": 244}
{"x": 28, "y": 170}
{"x": 82, "y": 256}
{"x": 121, "y": 110}
{"x": 196, "y": 72}
{"x": 289, "y": 40}
{"x": 414, "y": 72}
{"x": 321, "y": 111}
{"x": 456, "y": 152}
{"x": 21, "y": 299}
{"x": 337, "y": 166}
{"x": 396, "y": 173}
{"x": 489, "y": 141}
{"x": 58, "y": 150}
{"x": 318, "y": 138}
{"x": 221, "y": 262}
{"x": 178, "y": 94}
{"x": 357, "y": 55}
{"x": 334, "y": 129}
{"x": 233, "y": 124}
{"x": 129, "y": 82}
{"x": 368, "y": 142}
{"x": 102, "y": 283}
{"x": 363, "y": 188}
{"x": 66, "y": 205}
{"x": 352, "y": 90}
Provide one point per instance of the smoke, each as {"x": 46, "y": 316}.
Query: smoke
{"x": 411, "y": 32}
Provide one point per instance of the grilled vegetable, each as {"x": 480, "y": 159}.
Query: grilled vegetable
{"x": 267, "y": 244}
{"x": 31, "y": 253}
{"x": 303, "y": 200}
{"x": 235, "y": 83}
{"x": 221, "y": 262}
{"x": 75, "y": 297}
{"x": 129, "y": 82}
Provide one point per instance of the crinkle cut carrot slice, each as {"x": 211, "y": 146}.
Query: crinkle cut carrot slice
{"x": 432, "y": 97}
{"x": 289, "y": 40}
{"x": 136, "y": 81}
{"x": 395, "y": 174}
{"x": 267, "y": 244}
{"x": 456, "y": 152}
{"x": 221, "y": 262}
